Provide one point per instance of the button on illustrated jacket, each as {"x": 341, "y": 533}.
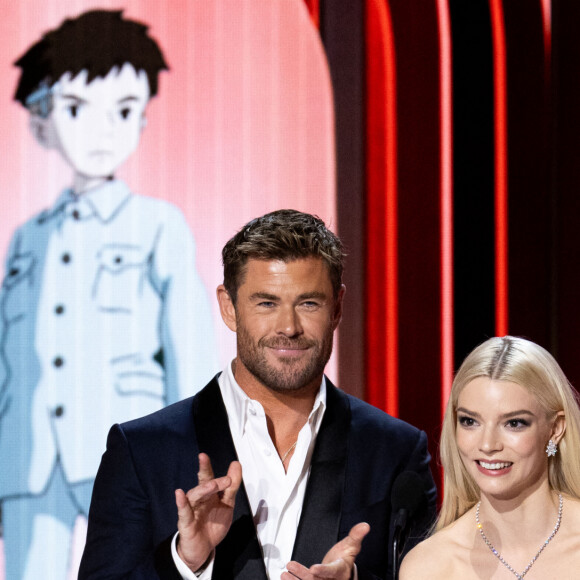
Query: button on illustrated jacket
{"x": 104, "y": 318}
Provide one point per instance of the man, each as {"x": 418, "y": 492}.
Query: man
{"x": 284, "y": 471}
{"x": 103, "y": 315}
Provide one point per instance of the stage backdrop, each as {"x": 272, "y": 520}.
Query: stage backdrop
{"x": 243, "y": 124}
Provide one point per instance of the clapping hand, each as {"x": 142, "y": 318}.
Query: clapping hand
{"x": 205, "y": 512}
{"x": 338, "y": 564}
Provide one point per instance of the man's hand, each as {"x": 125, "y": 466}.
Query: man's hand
{"x": 205, "y": 512}
{"x": 338, "y": 564}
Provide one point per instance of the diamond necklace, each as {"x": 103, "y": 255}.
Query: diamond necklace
{"x": 532, "y": 561}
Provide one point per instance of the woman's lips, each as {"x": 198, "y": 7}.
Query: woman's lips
{"x": 493, "y": 467}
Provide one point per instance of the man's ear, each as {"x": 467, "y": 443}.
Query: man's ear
{"x": 338, "y": 306}
{"x": 227, "y": 308}
{"x": 44, "y": 131}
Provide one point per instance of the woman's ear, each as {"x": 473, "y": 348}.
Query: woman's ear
{"x": 558, "y": 427}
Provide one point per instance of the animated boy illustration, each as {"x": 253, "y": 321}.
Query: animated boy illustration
{"x": 103, "y": 316}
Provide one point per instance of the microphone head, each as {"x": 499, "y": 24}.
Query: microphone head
{"x": 408, "y": 493}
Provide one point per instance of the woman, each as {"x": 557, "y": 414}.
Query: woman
{"x": 510, "y": 449}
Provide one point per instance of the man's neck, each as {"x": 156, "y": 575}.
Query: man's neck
{"x": 300, "y": 400}
{"x": 286, "y": 412}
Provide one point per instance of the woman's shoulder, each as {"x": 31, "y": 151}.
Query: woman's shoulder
{"x": 440, "y": 555}
{"x": 564, "y": 553}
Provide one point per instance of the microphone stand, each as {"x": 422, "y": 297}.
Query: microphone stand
{"x": 407, "y": 500}
{"x": 398, "y": 540}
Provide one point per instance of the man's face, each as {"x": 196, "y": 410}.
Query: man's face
{"x": 97, "y": 126}
{"x": 285, "y": 317}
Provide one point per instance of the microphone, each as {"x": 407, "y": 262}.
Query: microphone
{"x": 407, "y": 499}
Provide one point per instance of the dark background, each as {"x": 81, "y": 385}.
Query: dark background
{"x": 543, "y": 122}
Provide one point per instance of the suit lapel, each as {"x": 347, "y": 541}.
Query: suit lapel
{"x": 320, "y": 518}
{"x": 239, "y": 555}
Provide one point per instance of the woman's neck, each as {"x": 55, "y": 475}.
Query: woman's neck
{"x": 525, "y": 520}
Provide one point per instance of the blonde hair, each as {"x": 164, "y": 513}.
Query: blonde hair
{"x": 523, "y": 362}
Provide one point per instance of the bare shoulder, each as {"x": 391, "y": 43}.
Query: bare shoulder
{"x": 433, "y": 558}
{"x": 564, "y": 553}
{"x": 421, "y": 558}
{"x": 437, "y": 556}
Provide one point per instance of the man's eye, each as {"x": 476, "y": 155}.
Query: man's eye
{"x": 266, "y": 304}
{"x": 125, "y": 112}
{"x": 73, "y": 111}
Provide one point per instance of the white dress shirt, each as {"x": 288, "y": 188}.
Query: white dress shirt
{"x": 275, "y": 496}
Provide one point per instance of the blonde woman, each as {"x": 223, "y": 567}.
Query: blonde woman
{"x": 510, "y": 449}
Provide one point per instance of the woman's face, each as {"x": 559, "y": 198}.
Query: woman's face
{"x": 502, "y": 433}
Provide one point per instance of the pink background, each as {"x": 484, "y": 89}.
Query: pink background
{"x": 243, "y": 123}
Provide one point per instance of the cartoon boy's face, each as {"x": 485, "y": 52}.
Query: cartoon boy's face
{"x": 96, "y": 126}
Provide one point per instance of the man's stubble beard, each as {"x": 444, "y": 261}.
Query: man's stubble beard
{"x": 295, "y": 374}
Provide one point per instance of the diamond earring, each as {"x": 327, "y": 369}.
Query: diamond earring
{"x": 551, "y": 449}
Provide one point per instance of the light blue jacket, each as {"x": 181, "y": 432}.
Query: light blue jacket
{"x": 103, "y": 319}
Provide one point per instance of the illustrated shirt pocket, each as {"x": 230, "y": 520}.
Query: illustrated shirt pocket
{"x": 119, "y": 277}
{"x": 17, "y": 287}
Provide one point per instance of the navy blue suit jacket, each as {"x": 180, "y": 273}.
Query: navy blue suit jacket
{"x": 358, "y": 454}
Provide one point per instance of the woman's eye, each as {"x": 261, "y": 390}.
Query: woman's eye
{"x": 517, "y": 423}
{"x": 466, "y": 421}
{"x": 125, "y": 113}
{"x": 73, "y": 111}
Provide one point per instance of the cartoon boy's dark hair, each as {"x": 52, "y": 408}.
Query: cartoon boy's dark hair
{"x": 98, "y": 41}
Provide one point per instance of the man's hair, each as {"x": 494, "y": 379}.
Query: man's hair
{"x": 285, "y": 235}
{"x": 96, "y": 41}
